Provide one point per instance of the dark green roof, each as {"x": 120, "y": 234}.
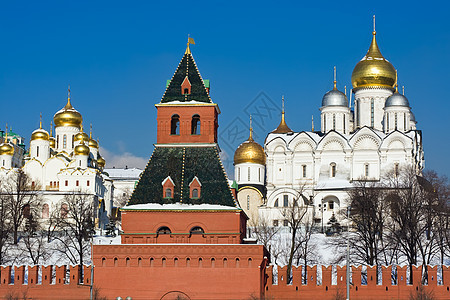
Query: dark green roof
{"x": 187, "y": 67}
{"x": 182, "y": 164}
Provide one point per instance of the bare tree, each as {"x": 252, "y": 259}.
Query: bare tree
{"x": 73, "y": 221}
{"x": 33, "y": 241}
{"x": 306, "y": 249}
{"x": 294, "y": 216}
{"x": 263, "y": 230}
{"x": 22, "y": 198}
{"x": 367, "y": 214}
{"x": 5, "y": 226}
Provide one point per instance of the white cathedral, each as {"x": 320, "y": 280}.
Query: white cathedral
{"x": 360, "y": 142}
{"x": 69, "y": 162}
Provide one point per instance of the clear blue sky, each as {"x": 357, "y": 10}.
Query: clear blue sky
{"x": 117, "y": 56}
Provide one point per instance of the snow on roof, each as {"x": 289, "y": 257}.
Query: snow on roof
{"x": 132, "y": 173}
{"x": 178, "y": 206}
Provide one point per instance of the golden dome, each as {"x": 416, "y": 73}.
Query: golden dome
{"x": 52, "y": 142}
{"x": 6, "y": 149}
{"x": 101, "y": 161}
{"x": 81, "y": 149}
{"x": 81, "y": 136}
{"x": 250, "y": 152}
{"x": 68, "y": 116}
{"x": 93, "y": 143}
{"x": 40, "y": 134}
{"x": 373, "y": 70}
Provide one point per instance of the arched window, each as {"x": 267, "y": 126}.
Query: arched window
{"x": 64, "y": 211}
{"x": 332, "y": 170}
{"x": 37, "y": 151}
{"x": 164, "y": 230}
{"x": 248, "y": 173}
{"x": 175, "y": 125}
{"x": 64, "y": 141}
{"x": 186, "y": 91}
{"x": 334, "y": 122}
{"x": 45, "y": 211}
{"x": 57, "y": 141}
{"x": 303, "y": 171}
{"x": 168, "y": 193}
{"x": 195, "y": 193}
{"x": 285, "y": 200}
{"x": 195, "y": 125}
{"x": 396, "y": 169}
{"x": 276, "y": 203}
{"x": 197, "y": 230}
{"x": 248, "y": 202}
{"x": 366, "y": 170}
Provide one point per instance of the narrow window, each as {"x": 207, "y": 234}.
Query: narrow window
{"x": 285, "y": 200}
{"x": 239, "y": 174}
{"x": 248, "y": 174}
{"x": 276, "y": 203}
{"x": 248, "y": 202}
{"x": 372, "y": 112}
{"x": 186, "y": 91}
{"x": 366, "y": 170}
{"x": 57, "y": 141}
{"x": 331, "y": 205}
{"x": 87, "y": 183}
{"x": 404, "y": 122}
{"x": 67, "y": 182}
{"x": 325, "y": 123}
{"x": 275, "y": 223}
{"x": 396, "y": 169}
{"x": 387, "y": 121}
{"x": 344, "y": 122}
{"x": 285, "y": 223}
{"x": 259, "y": 175}
{"x": 37, "y": 151}
{"x": 64, "y": 141}
{"x": 332, "y": 170}
{"x": 195, "y": 193}
{"x": 77, "y": 183}
{"x": 334, "y": 122}
{"x": 175, "y": 125}
{"x": 396, "y": 121}
{"x": 195, "y": 125}
{"x": 168, "y": 193}
{"x": 304, "y": 171}
{"x": 73, "y": 141}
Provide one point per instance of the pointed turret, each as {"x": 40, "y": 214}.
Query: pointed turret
{"x": 186, "y": 84}
{"x": 282, "y": 128}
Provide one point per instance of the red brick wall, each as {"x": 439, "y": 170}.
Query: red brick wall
{"x": 208, "y": 123}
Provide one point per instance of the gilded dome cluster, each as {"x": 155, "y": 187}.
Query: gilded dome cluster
{"x": 250, "y": 152}
{"x": 373, "y": 70}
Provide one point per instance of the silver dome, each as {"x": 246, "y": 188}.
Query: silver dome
{"x": 334, "y": 98}
{"x": 397, "y": 100}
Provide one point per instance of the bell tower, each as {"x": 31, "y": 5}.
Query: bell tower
{"x": 186, "y": 113}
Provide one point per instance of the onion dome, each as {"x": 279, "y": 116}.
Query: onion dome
{"x": 250, "y": 152}
{"x": 101, "y": 161}
{"x": 68, "y": 116}
{"x": 335, "y": 97}
{"x": 81, "y": 136}
{"x": 373, "y": 70}
{"x": 282, "y": 128}
{"x": 81, "y": 149}
{"x": 93, "y": 143}
{"x": 40, "y": 134}
{"x": 6, "y": 149}
{"x": 396, "y": 99}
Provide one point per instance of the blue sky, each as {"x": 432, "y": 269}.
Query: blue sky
{"x": 117, "y": 56}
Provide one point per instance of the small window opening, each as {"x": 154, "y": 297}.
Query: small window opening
{"x": 285, "y": 200}
{"x": 304, "y": 171}
{"x": 195, "y": 193}
{"x": 332, "y": 170}
{"x": 197, "y": 230}
{"x": 195, "y": 125}
{"x": 168, "y": 193}
{"x": 164, "y": 230}
{"x": 175, "y": 125}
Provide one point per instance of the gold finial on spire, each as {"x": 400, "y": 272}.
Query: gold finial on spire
{"x": 6, "y": 132}
{"x": 312, "y": 123}
{"x": 282, "y": 128}
{"x": 396, "y": 81}
{"x": 51, "y": 128}
{"x": 334, "y": 81}
{"x": 40, "y": 121}
{"x": 403, "y": 90}
{"x": 374, "y": 31}
{"x": 90, "y": 132}
{"x": 345, "y": 90}
{"x": 190, "y": 41}
{"x": 68, "y": 105}
{"x": 250, "y": 138}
